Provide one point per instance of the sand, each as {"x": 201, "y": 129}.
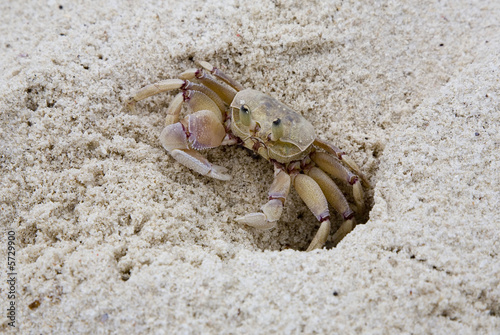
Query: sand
{"x": 114, "y": 236}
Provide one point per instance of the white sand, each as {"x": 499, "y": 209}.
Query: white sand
{"x": 114, "y": 236}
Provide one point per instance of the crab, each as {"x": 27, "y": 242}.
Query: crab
{"x": 223, "y": 112}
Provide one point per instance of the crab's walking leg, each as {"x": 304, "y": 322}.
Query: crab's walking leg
{"x": 153, "y": 89}
{"x": 225, "y": 92}
{"x": 332, "y": 166}
{"x": 203, "y": 96}
{"x": 174, "y": 109}
{"x": 271, "y": 211}
{"x": 310, "y": 192}
{"x": 221, "y": 75}
{"x": 337, "y": 200}
{"x": 341, "y": 155}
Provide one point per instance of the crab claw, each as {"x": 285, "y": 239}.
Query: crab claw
{"x": 205, "y": 131}
{"x": 218, "y": 172}
{"x": 195, "y": 161}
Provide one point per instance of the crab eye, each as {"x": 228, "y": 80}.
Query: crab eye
{"x": 245, "y": 116}
{"x": 277, "y": 129}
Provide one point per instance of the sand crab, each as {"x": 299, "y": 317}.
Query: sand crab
{"x": 225, "y": 113}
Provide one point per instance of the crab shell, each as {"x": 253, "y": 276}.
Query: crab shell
{"x": 298, "y": 134}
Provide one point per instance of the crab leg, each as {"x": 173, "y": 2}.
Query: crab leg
{"x": 205, "y": 96}
{"x": 341, "y": 155}
{"x": 331, "y": 192}
{"x": 271, "y": 211}
{"x": 336, "y": 199}
{"x": 332, "y": 166}
{"x": 310, "y": 192}
{"x": 225, "y": 92}
{"x": 221, "y": 75}
{"x": 153, "y": 89}
{"x": 174, "y": 109}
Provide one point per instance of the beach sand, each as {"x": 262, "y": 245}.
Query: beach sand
{"x": 112, "y": 235}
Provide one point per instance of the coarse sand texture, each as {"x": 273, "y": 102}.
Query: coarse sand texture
{"x": 110, "y": 235}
